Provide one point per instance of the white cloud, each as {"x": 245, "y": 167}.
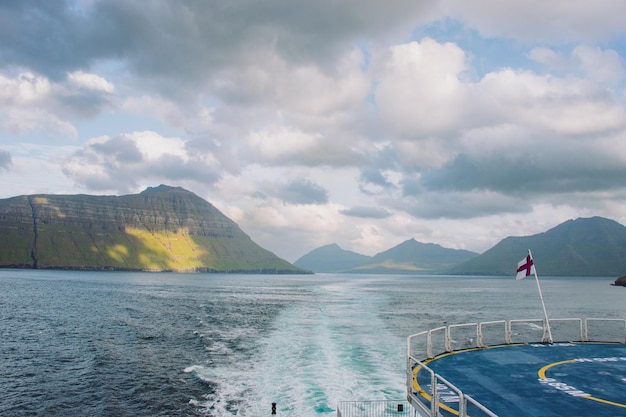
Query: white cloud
{"x": 567, "y": 106}
{"x": 154, "y": 146}
{"x": 90, "y": 82}
{"x": 604, "y": 66}
{"x": 125, "y": 162}
{"x": 193, "y": 118}
{"x": 270, "y": 98}
{"x": 23, "y": 88}
{"x": 307, "y": 89}
{"x": 419, "y": 92}
{"x": 281, "y": 145}
{"x": 34, "y": 103}
{"x": 21, "y": 120}
{"x": 598, "y": 65}
{"x": 551, "y": 59}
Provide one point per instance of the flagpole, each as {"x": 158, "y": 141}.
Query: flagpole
{"x": 546, "y": 328}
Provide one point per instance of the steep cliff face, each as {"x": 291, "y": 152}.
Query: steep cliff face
{"x": 17, "y": 232}
{"x": 162, "y": 228}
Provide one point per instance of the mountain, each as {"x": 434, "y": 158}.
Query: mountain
{"x": 583, "y": 247}
{"x": 161, "y": 229}
{"x": 331, "y": 258}
{"x": 410, "y": 257}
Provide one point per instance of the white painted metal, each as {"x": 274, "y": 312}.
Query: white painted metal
{"x": 547, "y": 331}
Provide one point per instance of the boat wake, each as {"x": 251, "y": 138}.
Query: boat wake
{"x": 327, "y": 347}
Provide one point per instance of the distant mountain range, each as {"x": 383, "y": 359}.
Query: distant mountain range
{"x": 583, "y": 247}
{"x": 410, "y": 256}
{"x": 161, "y": 229}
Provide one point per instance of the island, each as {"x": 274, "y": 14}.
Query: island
{"x": 620, "y": 282}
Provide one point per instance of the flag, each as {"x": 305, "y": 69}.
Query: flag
{"x": 525, "y": 267}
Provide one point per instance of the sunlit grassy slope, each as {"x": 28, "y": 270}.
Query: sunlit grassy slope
{"x": 160, "y": 229}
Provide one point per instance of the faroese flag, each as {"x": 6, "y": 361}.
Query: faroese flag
{"x": 525, "y": 267}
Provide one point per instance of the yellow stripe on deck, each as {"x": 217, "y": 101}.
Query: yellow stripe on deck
{"x": 542, "y": 376}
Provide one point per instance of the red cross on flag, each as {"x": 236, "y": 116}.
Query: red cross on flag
{"x": 525, "y": 267}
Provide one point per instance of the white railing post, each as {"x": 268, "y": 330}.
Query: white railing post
{"x": 508, "y": 333}
{"x": 409, "y": 375}
{"x": 448, "y": 344}
{"x": 462, "y": 405}
{"x": 429, "y": 345}
{"x": 434, "y": 396}
{"x": 583, "y": 336}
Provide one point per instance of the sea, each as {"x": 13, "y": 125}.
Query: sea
{"x": 77, "y": 343}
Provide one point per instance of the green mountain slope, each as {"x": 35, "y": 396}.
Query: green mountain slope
{"x": 161, "y": 229}
{"x": 583, "y": 247}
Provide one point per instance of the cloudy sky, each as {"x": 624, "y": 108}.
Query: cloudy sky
{"x": 362, "y": 123}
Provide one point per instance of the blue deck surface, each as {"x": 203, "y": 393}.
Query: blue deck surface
{"x": 539, "y": 380}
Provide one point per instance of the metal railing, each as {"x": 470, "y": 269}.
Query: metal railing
{"x": 400, "y": 408}
{"x": 428, "y": 344}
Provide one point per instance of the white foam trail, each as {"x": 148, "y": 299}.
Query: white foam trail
{"x": 329, "y": 348}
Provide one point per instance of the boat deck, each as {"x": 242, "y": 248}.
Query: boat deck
{"x": 559, "y": 379}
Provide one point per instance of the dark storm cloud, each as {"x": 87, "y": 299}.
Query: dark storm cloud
{"x": 44, "y": 36}
{"x": 181, "y": 41}
{"x": 366, "y": 212}
{"x": 461, "y": 205}
{"x": 302, "y": 191}
{"x": 536, "y": 172}
{"x": 425, "y": 203}
{"x": 5, "y": 160}
{"x": 491, "y": 183}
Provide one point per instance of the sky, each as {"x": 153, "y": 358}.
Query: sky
{"x": 361, "y": 123}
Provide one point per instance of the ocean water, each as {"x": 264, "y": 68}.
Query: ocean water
{"x": 146, "y": 344}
